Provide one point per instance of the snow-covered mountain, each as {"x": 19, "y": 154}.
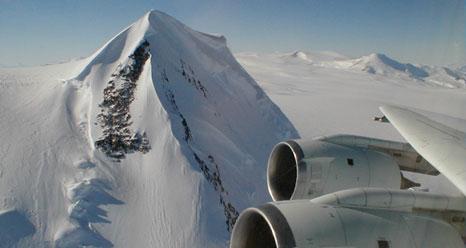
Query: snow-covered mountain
{"x": 376, "y": 64}
{"x": 383, "y": 65}
{"x": 314, "y": 57}
{"x": 158, "y": 139}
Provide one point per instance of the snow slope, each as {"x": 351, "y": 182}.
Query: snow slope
{"x": 337, "y": 97}
{"x": 158, "y": 139}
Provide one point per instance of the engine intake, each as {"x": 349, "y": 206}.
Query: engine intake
{"x": 262, "y": 227}
{"x": 305, "y": 169}
{"x": 305, "y": 223}
{"x": 282, "y": 171}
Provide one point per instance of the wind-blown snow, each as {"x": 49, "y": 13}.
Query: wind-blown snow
{"x": 206, "y": 125}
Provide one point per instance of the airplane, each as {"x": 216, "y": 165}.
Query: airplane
{"x": 349, "y": 191}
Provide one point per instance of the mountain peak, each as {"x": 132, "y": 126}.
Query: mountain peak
{"x": 176, "y": 102}
{"x": 314, "y": 56}
{"x": 299, "y": 54}
{"x": 378, "y": 63}
{"x": 158, "y": 19}
{"x": 162, "y": 32}
{"x": 154, "y": 12}
{"x": 380, "y": 58}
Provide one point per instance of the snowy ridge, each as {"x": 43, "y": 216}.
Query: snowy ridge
{"x": 159, "y": 139}
{"x": 376, "y": 64}
{"x": 189, "y": 67}
{"x": 383, "y": 65}
{"x": 317, "y": 57}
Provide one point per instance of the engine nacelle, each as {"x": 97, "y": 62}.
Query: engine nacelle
{"x": 303, "y": 223}
{"x": 305, "y": 169}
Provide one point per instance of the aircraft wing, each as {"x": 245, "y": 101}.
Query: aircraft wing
{"x": 442, "y": 146}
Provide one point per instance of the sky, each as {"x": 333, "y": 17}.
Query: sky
{"x": 34, "y": 32}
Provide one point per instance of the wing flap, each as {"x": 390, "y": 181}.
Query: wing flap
{"x": 442, "y": 146}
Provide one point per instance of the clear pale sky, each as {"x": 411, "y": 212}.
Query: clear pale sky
{"x": 418, "y": 31}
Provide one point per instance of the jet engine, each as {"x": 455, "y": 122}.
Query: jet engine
{"x": 346, "y": 191}
{"x": 309, "y": 223}
{"x": 304, "y": 169}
